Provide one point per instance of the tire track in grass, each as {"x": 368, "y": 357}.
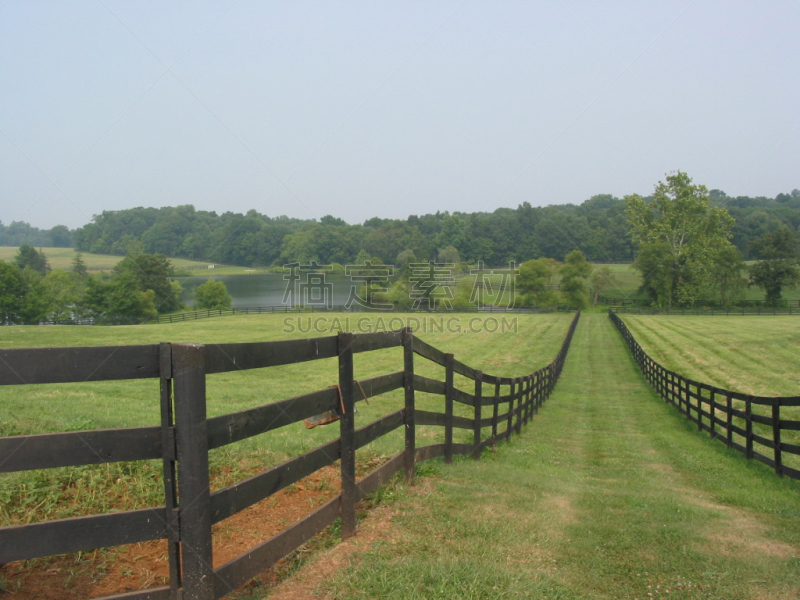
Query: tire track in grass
{"x": 609, "y": 494}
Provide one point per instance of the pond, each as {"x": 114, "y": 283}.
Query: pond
{"x": 270, "y": 289}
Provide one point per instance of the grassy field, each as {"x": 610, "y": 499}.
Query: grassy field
{"x": 609, "y": 494}
{"x": 753, "y": 354}
{"x": 61, "y": 258}
{"x": 46, "y": 408}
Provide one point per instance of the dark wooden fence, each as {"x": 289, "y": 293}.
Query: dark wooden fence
{"x": 185, "y": 435}
{"x": 752, "y": 425}
{"x": 709, "y": 310}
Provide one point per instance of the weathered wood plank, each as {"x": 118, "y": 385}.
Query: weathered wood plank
{"x": 233, "y": 427}
{"x": 50, "y": 450}
{"x": 425, "y": 417}
{"x": 68, "y": 365}
{"x": 429, "y": 452}
{"x": 379, "y": 428}
{"x": 221, "y": 358}
{"x": 463, "y": 397}
{"x": 21, "y": 542}
{"x": 463, "y": 369}
{"x": 376, "y": 386}
{"x": 431, "y": 386}
{"x": 234, "y": 498}
{"x": 366, "y": 342}
{"x": 247, "y": 565}
{"x": 427, "y": 351}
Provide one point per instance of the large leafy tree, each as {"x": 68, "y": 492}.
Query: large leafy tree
{"x": 779, "y": 265}
{"x": 677, "y": 233}
{"x": 534, "y": 282}
{"x": 574, "y": 273}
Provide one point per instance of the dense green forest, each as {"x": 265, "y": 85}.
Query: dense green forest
{"x": 598, "y": 227}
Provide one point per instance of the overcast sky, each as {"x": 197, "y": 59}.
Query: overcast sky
{"x": 363, "y": 109}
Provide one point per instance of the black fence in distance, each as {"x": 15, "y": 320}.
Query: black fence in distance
{"x": 750, "y": 424}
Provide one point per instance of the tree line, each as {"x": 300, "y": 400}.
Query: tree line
{"x": 140, "y": 287}
{"x": 598, "y": 227}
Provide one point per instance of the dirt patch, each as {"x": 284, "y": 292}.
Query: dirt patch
{"x": 377, "y": 526}
{"x": 138, "y": 566}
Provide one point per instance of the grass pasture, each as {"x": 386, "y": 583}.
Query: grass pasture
{"x": 61, "y": 258}
{"x": 758, "y": 355}
{"x": 609, "y": 494}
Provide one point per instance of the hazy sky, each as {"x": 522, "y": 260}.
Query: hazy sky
{"x": 363, "y": 109}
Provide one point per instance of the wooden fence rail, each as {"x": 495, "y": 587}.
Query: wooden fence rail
{"x": 729, "y": 416}
{"x": 719, "y": 311}
{"x": 186, "y": 435}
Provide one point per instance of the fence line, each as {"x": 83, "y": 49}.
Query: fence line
{"x": 186, "y": 435}
{"x": 736, "y": 420}
{"x": 284, "y": 309}
{"x": 707, "y": 310}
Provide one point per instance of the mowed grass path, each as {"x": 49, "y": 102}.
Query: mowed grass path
{"x": 608, "y": 494}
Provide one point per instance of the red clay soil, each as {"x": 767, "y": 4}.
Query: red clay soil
{"x": 138, "y": 566}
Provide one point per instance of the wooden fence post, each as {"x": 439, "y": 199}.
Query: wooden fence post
{"x": 776, "y": 437}
{"x": 729, "y": 419}
{"x": 495, "y": 413}
{"x": 169, "y": 467}
{"x": 748, "y": 409}
{"x": 699, "y": 405}
{"x": 448, "y": 408}
{"x": 347, "y": 439}
{"x": 476, "y": 454}
{"x": 712, "y": 411}
{"x": 188, "y": 370}
{"x": 510, "y": 415}
{"x": 526, "y": 402}
{"x": 408, "y": 415}
{"x": 519, "y": 381}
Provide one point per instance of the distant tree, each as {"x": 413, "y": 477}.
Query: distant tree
{"x": 79, "y": 267}
{"x": 12, "y": 294}
{"x": 677, "y": 233}
{"x": 449, "y": 255}
{"x": 602, "y": 280}
{"x": 62, "y": 291}
{"x": 574, "y": 273}
{"x": 403, "y": 260}
{"x": 212, "y": 295}
{"x": 60, "y": 237}
{"x": 779, "y": 265}
{"x": 117, "y": 300}
{"x": 31, "y": 258}
{"x": 153, "y": 272}
{"x": 534, "y": 281}
{"x": 727, "y": 276}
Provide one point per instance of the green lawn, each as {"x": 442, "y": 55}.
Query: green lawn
{"x": 609, "y": 494}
